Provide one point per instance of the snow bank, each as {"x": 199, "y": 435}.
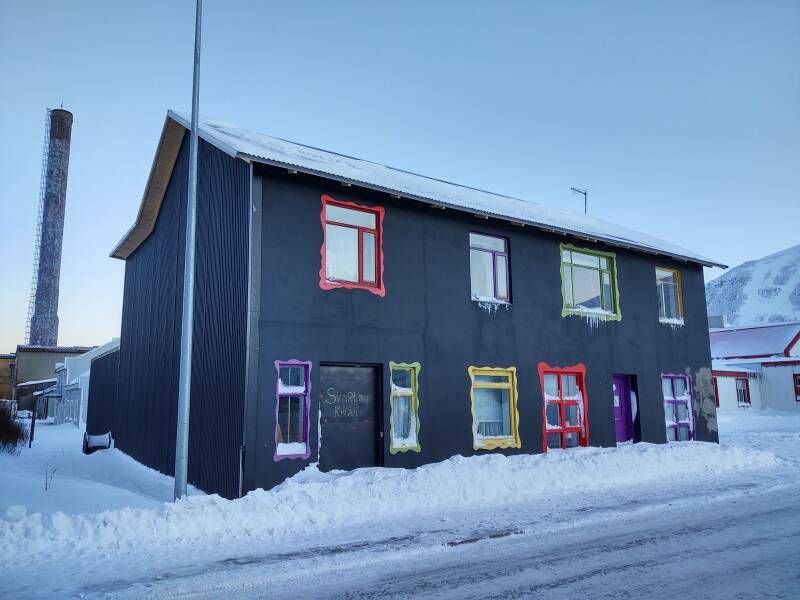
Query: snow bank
{"x": 313, "y": 501}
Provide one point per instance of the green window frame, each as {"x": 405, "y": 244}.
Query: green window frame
{"x": 490, "y": 385}
{"x": 587, "y": 265}
{"x": 404, "y": 404}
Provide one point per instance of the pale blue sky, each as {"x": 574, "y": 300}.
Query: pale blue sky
{"x": 683, "y": 118}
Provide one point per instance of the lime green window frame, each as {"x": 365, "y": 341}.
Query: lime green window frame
{"x": 495, "y": 419}
{"x": 589, "y": 283}
{"x": 404, "y": 400}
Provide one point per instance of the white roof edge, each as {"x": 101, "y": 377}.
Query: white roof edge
{"x": 231, "y": 150}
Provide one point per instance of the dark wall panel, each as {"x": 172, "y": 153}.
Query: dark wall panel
{"x": 102, "y": 394}
{"x": 151, "y": 325}
{"x": 427, "y": 316}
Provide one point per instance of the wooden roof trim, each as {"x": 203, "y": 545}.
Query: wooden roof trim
{"x": 169, "y": 147}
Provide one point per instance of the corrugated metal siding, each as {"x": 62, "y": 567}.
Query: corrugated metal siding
{"x": 151, "y": 321}
{"x": 102, "y": 394}
{"x": 218, "y": 367}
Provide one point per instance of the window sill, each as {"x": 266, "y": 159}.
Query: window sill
{"x": 491, "y": 443}
{"x": 291, "y": 450}
{"x": 589, "y": 313}
{"x": 675, "y": 322}
{"x": 490, "y": 300}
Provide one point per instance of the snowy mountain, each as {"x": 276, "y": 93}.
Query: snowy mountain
{"x": 766, "y": 290}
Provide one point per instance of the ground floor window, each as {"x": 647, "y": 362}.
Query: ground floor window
{"x": 404, "y": 419}
{"x": 677, "y": 392}
{"x": 494, "y": 408}
{"x": 742, "y": 391}
{"x": 797, "y": 388}
{"x": 293, "y": 390}
{"x": 565, "y": 404}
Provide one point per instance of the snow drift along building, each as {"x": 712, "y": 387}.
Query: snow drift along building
{"x": 356, "y": 315}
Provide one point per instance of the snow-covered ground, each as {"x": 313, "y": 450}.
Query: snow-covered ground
{"x": 639, "y": 520}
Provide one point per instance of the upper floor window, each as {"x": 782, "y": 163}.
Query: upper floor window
{"x": 352, "y": 249}
{"x": 670, "y": 302}
{"x": 488, "y": 268}
{"x": 589, "y": 282}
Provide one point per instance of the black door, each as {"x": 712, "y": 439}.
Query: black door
{"x": 350, "y": 419}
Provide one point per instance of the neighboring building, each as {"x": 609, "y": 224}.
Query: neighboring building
{"x": 36, "y": 364}
{"x": 351, "y": 314}
{"x": 757, "y": 366}
{"x": 72, "y": 390}
{"x": 6, "y": 376}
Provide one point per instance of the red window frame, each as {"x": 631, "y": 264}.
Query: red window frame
{"x": 582, "y": 429}
{"x": 375, "y": 287}
{"x": 716, "y": 391}
{"x": 797, "y": 387}
{"x": 746, "y": 391}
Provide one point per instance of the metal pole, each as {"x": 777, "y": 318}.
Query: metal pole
{"x": 185, "y": 380}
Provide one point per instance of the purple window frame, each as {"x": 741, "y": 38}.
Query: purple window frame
{"x": 293, "y": 362}
{"x": 674, "y": 403}
{"x": 495, "y": 254}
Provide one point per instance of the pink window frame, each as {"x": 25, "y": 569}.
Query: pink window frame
{"x": 376, "y": 287}
{"x": 293, "y": 362}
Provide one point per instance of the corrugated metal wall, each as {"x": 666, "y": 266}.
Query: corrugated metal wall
{"x": 100, "y": 416}
{"x": 151, "y": 322}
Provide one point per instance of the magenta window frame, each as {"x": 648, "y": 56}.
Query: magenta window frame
{"x": 495, "y": 254}
{"x": 674, "y": 403}
{"x": 293, "y": 362}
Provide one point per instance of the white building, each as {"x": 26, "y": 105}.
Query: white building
{"x": 72, "y": 387}
{"x": 757, "y": 366}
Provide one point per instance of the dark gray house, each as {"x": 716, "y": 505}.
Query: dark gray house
{"x": 355, "y": 315}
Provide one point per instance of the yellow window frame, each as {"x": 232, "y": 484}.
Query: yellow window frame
{"x": 414, "y": 368}
{"x": 492, "y": 443}
{"x": 678, "y": 285}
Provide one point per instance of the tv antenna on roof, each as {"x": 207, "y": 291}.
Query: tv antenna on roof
{"x": 585, "y": 198}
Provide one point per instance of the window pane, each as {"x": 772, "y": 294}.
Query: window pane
{"x": 608, "y": 302}
{"x": 670, "y": 434}
{"x": 290, "y": 419}
{"x": 341, "y": 253}
{"x": 368, "y": 270}
{"x": 476, "y": 240}
{"x": 569, "y": 386}
{"x": 680, "y": 387}
{"x": 666, "y": 276}
{"x": 553, "y": 416}
{"x": 565, "y": 256}
{"x": 551, "y": 385}
{"x": 683, "y": 411}
{"x": 669, "y": 412}
{"x": 603, "y": 262}
{"x": 586, "y": 287}
{"x": 669, "y": 297}
{"x": 481, "y": 274}
{"x": 492, "y": 378}
{"x": 554, "y": 440}
{"x": 579, "y": 258}
{"x": 401, "y": 378}
{"x": 571, "y": 415}
{"x": 666, "y": 387}
{"x": 683, "y": 434}
{"x": 350, "y": 216}
{"x": 568, "y": 286}
{"x": 401, "y": 414}
{"x": 293, "y": 377}
{"x": 502, "y": 277}
{"x": 493, "y": 412}
{"x": 572, "y": 439}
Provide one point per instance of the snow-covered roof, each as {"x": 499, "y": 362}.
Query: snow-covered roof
{"x": 259, "y": 147}
{"x": 754, "y": 341}
{"x": 36, "y": 382}
{"x": 724, "y": 366}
